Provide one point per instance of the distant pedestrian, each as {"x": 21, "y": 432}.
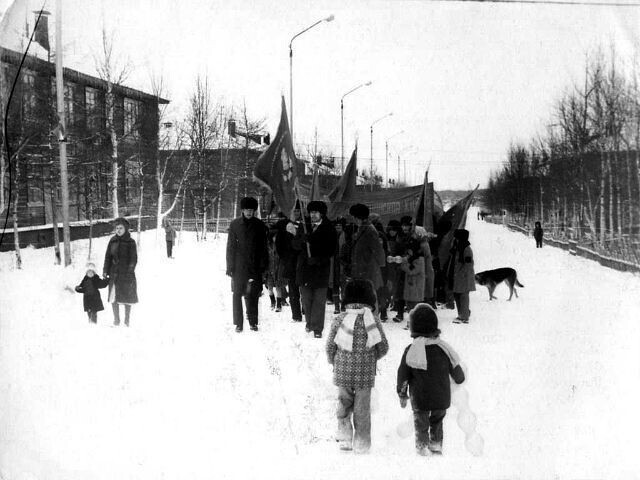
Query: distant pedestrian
{"x": 89, "y": 287}
{"x": 356, "y": 342}
{"x": 413, "y": 267}
{"x": 424, "y": 371}
{"x": 316, "y": 247}
{"x": 247, "y": 259}
{"x": 538, "y": 234}
{"x": 170, "y": 237}
{"x": 462, "y": 275}
{"x": 120, "y": 262}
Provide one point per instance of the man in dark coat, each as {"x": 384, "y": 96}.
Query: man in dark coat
{"x": 288, "y": 262}
{"x": 316, "y": 247}
{"x": 120, "y": 262}
{"x": 247, "y": 259}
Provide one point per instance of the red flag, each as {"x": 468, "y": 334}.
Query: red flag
{"x": 453, "y": 219}
{"x": 276, "y": 167}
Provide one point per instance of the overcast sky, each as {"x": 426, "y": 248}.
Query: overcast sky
{"x": 463, "y": 80}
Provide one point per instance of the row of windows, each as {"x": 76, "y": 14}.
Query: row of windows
{"x": 94, "y": 107}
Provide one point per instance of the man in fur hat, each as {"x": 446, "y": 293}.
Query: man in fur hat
{"x": 316, "y": 245}
{"x": 247, "y": 259}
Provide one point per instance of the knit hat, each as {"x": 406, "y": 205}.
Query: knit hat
{"x": 317, "y": 206}
{"x": 359, "y": 211}
{"x": 91, "y": 266}
{"x": 121, "y": 221}
{"x": 406, "y": 220}
{"x": 248, "y": 203}
{"x": 360, "y": 290}
{"x": 423, "y": 321}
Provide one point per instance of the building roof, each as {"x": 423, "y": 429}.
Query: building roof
{"x": 31, "y": 62}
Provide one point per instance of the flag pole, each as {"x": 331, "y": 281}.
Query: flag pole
{"x": 304, "y": 222}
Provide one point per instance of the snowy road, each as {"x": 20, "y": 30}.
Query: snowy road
{"x": 553, "y": 377}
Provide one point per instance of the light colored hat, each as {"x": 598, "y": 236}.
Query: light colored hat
{"x": 91, "y": 266}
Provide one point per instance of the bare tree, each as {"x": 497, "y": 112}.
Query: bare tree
{"x": 113, "y": 72}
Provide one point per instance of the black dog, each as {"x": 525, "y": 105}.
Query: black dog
{"x": 491, "y": 279}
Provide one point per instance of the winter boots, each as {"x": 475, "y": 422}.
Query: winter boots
{"x": 278, "y": 304}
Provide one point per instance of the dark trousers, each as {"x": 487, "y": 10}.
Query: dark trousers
{"x": 169, "y": 248}
{"x": 462, "y": 304}
{"x": 93, "y": 316}
{"x": 251, "y": 303}
{"x": 294, "y": 300}
{"x": 538, "y": 243}
{"x": 314, "y": 304}
{"x": 354, "y": 417}
{"x": 116, "y": 313}
{"x": 428, "y": 427}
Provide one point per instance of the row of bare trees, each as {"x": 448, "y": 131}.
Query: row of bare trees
{"x": 582, "y": 176}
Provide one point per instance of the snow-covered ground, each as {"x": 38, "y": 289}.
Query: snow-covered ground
{"x": 553, "y": 377}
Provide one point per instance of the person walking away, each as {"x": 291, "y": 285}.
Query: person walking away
{"x": 383, "y": 292}
{"x": 120, "y": 262}
{"x": 89, "y": 287}
{"x": 367, "y": 253}
{"x": 356, "y": 342}
{"x": 316, "y": 247}
{"x": 463, "y": 278}
{"x": 414, "y": 276}
{"x": 170, "y": 237}
{"x": 538, "y": 233}
{"x": 424, "y": 371}
{"x": 273, "y": 275}
{"x": 247, "y": 259}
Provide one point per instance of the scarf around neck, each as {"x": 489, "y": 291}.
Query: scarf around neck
{"x": 344, "y": 337}
{"x": 417, "y": 354}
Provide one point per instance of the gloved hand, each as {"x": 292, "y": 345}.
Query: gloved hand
{"x": 229, "y": 273}
{"x": 403, "y": 401}
{"x": 79, "y": 289}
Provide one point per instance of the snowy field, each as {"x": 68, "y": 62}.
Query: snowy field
{"x": 553, "y": 377}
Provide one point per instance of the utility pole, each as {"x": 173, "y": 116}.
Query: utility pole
{"x": 64, "y": 177}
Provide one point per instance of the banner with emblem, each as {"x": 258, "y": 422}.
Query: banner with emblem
{"x": 276, "y": 167}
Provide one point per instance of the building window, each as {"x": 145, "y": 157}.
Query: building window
{"x": 94, "y": 111}
{"x": 69, "y": 110}
{"x": 29, "y": 100}
{"x": 131, "y": 117}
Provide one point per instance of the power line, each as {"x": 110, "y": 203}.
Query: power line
{"x": 546, "y": 2}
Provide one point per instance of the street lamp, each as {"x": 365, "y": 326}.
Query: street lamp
{"x": 386, "y": 153}
{"x": 342, "y": 120}
{"x": 327, "y": 19}
{"x": 409, "y": 149}
{"x": 371, "y": 159}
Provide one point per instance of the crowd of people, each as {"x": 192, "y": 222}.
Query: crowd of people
{"x": 306, "y": 263}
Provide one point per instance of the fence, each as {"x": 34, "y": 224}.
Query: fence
{"x": 620, "y": 254}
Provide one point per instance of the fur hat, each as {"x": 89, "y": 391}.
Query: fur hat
{"x": 360, "y": 290}
{"x": 423, "y": 321}
{"x": 121, "y": 221}
{"x": 359, "y": 211}
{"x": 406, "y": 220}
{"x": 248, "y": 203}
{"x": 317, "y": 206}
{"x": 393, "y": 225}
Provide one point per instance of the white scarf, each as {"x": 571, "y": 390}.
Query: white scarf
{"x": 344, "y": 337}
{"x": 417, "y": 354}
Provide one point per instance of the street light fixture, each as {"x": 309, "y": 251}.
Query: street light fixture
{"x": 342, "y": 120}
{"x": 386, "y": 153}
{"x": 371, "y": 158}
{"x": 327, "y": 19}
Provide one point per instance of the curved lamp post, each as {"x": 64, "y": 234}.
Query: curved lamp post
{"x": 342, "y": 121}
{"x": 327, "y": 19}
{"x": 371, "y": 158}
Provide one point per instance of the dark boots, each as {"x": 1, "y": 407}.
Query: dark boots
{"x": 278, "y": 304}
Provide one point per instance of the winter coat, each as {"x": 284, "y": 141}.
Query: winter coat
{"x": 89, "y": 286}
{"x": 247, "y": 256}
{"x": 429, "y": 389}
{"x": 463, "y": 274}
{"x": 413, "y": 280}
{"x": 170, "y": 233}
{"x": 336, "y": 275}
{"x": 120, "y": 262}
{"x": 273, "y": 277}
{"x": 355, "y": 369}
{"x": 538, "y": 233}
{"x": 429, "y": 274}
{"x": 287, "y": 254}
{"x": 313, "y": 272}
{"x": 367, "y": 255}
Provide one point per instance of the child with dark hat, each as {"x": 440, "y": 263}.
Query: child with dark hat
{"x": 89, "y": 287}
{"x": 424, "y": 371}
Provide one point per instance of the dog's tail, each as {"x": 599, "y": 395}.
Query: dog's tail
{"x": 518, "y": 283}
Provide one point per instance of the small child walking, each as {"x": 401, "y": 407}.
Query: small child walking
{"x": 424, "y": 370}
{"x": 89, "y": 287}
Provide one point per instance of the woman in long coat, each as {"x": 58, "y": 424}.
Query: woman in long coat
{"x": 463, "y": 274}
{"x": 429, "y": 274}
{"x": 120, "y": 262}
